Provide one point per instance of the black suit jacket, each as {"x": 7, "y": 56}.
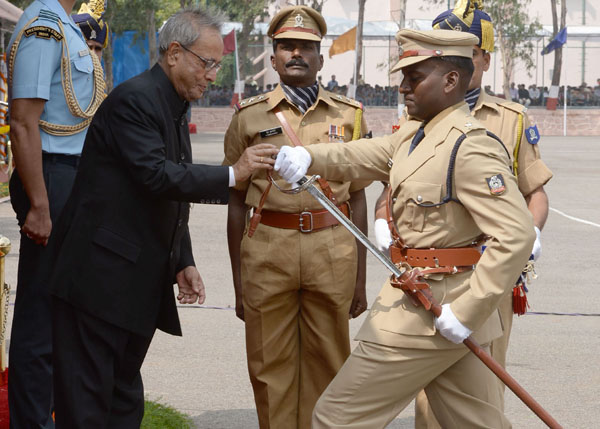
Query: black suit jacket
{"x": 123, "y": 234}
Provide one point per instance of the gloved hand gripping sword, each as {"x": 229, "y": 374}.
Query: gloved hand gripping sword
{"x": 412, "y": 282}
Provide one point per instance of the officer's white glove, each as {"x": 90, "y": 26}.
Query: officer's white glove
{"x": 537, "y": 244}
{"x": 292, "y": 163}
{"x": 450, "y": 327}
{"x": 383, "y": 236}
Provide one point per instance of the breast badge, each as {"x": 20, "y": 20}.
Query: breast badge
{"x": 336, "y": 134}
{"x": 496, "y": 184}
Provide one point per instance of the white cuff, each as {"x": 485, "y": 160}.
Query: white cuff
{"x": 231, "y": 177}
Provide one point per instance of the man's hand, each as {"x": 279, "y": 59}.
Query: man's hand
{"x": 383, "y": 236}
{"x": 191, "y": 286}
{"x": 359, "y": 301}
{"x": 254, "y": 158}
{"x": 536, "y": 252}
{"x": 450, "y": 327}
{"x": 292, "y": 163}
{"x": 37, "y": 226}
{"x": 239, "y": 308}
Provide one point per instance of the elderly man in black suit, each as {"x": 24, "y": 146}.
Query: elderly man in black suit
{"x": 123, "y": 239}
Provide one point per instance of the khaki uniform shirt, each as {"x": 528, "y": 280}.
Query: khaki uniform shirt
{"x": 255, "y": 123}
{"x": 501, "y": 117}
{"x": 485, "y": 208}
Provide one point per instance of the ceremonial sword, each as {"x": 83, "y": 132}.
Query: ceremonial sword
{"x": 308, "y": 184}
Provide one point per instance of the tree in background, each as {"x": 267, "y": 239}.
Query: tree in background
{"x": 516, "y": 33}
{"x": 315, "y": 4}
{"x": 248, "y": 13}
{"x": 143, "y": 16}
{"x": 359, "y": 42}
{"x": 555, "y": 29}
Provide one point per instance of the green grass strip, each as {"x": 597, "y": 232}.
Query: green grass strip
{"x": 159, "y": 416}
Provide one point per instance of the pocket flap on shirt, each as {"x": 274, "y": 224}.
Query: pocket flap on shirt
{"x": 117, "y": 244}
{"x": 84, "y": 64}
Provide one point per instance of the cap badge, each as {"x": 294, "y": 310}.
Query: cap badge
{"x": 457, "y": 27}
{"x": 400, "y": 50}
{"x": 93, "y": 34}
{"x": 299, "y": 21}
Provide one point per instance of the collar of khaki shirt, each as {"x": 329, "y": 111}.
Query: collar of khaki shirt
{"x": 277, "y": 96}
{"x": 486, "y": 100}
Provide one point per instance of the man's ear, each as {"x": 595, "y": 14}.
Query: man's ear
{"x": 273, "y": 62}
{"x": 486, "y": 61}
{"x": 321, "y": 62}
{"x": 451, "y": 81}
{"x": 173, "y": 53}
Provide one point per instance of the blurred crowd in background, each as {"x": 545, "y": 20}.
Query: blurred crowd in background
{"x": 577, "y": 96}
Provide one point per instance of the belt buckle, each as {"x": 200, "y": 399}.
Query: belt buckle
{"x": 310, "y": 217}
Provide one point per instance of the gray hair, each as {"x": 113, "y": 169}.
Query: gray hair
{"x": 185, "y": 27}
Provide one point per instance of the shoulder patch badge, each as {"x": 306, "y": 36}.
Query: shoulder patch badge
{"x": 532, "y": 134}
{"x": 43, "y": 32}
{"x": 496, "y": 184}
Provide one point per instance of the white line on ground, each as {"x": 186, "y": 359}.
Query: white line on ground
{"x": 576, "y": 219}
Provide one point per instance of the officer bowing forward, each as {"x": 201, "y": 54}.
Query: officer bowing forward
{"x": 442, "y": 216}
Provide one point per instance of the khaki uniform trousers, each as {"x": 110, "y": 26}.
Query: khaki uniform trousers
{"x": 377, "y": 382}
{"x": 297, "y": 291}
{"x": 424, "y": 416}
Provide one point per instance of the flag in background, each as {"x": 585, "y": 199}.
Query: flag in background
{"x": 346, "y": 42}
{"x": 229, "y": 43}
{"x": 559, "y": 40}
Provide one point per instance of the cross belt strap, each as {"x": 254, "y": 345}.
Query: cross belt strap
{"x": 256, "y": 217}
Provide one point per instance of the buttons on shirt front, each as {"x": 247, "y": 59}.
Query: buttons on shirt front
{"x": 182, "y": 156}
{"x": 303, "y": 123}
{"x": 419, "y": 199}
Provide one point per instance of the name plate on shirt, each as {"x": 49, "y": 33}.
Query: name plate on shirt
{"x": 271, "y": 132}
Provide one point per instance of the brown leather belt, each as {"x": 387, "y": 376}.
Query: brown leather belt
{"x": 449, "y": 257}
{"x": 307, "y": 221}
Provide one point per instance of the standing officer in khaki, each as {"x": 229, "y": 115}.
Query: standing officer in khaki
{"x": 296, "y": 278}
{"x": 404, "y": 348}
{"x": 509, "y": 121}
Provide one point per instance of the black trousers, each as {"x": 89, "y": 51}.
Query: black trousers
{"x": 97, "y": 380}
{"x": 30, "y": 386}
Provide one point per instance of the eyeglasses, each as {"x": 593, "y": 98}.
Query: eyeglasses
{"x": 208, "y": 64}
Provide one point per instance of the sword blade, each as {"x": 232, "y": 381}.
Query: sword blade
{"x": 347, "y": 223}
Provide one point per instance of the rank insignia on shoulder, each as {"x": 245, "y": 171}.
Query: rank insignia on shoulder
{"x": 43, "y": 32}
{"x": 271, "y": 132}
{"x": 532, "y": 134}
{"x": 496, "y": 184}
{"x": 336, "y": 133}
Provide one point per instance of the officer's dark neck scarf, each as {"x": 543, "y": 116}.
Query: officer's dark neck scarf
{"x": 302, "y": 98}
{"x": 472, "y": 96}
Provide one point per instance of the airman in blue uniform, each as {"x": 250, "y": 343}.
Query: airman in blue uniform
{"x": 55, "y": 87}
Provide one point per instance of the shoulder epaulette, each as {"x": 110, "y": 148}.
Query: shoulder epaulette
{"x": 515, "y": 107}
{"x": 48, "y": 15}
{"x": 469, "y": 124}
{"x": 347, "y": 100}
{"x": 250, "y": 101}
